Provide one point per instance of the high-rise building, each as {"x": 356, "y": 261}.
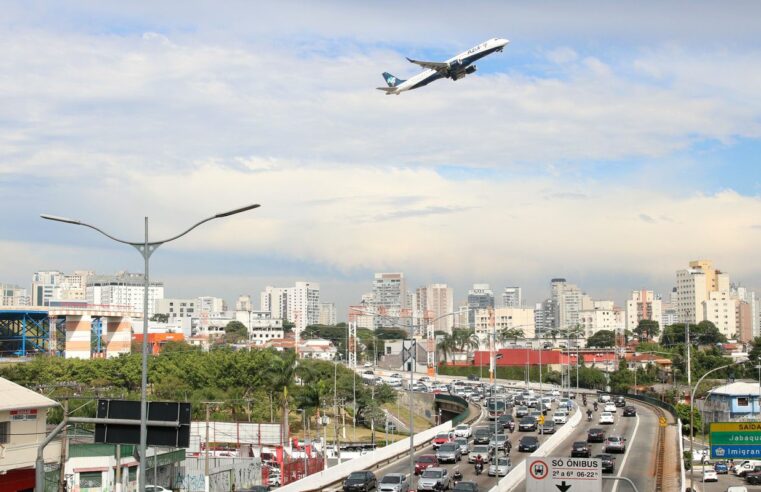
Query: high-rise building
{"x": 603, "y": 315}
{"x": 643, "y": 304}
{"x": 567, "y": 299}
{"x": 748, "y": 316}
{"x": 390, "y": 299}
{"x": 176, "y": 308}
{"x": 719, "y": 309}
{"x": 210, "y": 304}
{"x": 274, "y": 300}
{"x": 303, "y": 301}
{"x": 244, "y": 303}
{"x": 13, "y": 295}
{"x": 512, "y": 297}
{"x": 544, "y": 317}
{"x": 479, "y": 297}
{"x": 440, "y": 304}
{"x": 327, "y": 313}
{"x": 124, "y": 289}
{"x": 693, "y": 288}
{"x": 504, "y": 318}
{"x": 43, "y": 286}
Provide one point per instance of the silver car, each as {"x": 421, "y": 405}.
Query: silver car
{"x": 463, "y": 443}
{"x": 434, "y": 479}
{"x": 500, "y": 467}
{"x": 394, "y": 482}
{"x": 449, "y": 452}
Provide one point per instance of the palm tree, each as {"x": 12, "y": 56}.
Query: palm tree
{"x": 447, "y": 345}
{"x": 508, "y": 334}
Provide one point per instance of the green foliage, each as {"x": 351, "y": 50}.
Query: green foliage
{"x": 647, "y": 329}
{"x": 160, "y": 318}
{"x": 704, "y": 333}
{"x": 391, "y": 334}
{"x": 683, "y": 412}
{"x": 235, "y": 332}
{"x": 603, "y": 338}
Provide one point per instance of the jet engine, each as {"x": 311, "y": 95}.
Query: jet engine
{"x": 462, "y": 73}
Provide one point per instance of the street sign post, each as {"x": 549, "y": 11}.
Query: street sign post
{"x": 662, "y": 421}
{"x": 562, "y": 474}
{"x": 733, "y": 440}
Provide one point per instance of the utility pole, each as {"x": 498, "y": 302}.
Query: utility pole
{"x": 413, "y": 358}
{"x": 206, "y": 451}
{"x": 62, "y": 469}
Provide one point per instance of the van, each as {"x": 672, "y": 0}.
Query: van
{"x": 746, "y": 466}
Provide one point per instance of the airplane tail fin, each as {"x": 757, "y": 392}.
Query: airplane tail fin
{"x": 391, "y": 80}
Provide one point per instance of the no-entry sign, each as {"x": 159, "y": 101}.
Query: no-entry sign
{"x": 562, "y": 474}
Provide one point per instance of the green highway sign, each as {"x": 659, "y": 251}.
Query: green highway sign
{"x": 731, "y": 440}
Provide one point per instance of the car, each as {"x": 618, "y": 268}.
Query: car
{"x": 500, "y": 467}
{"x": 630, "y": 411}
{"x": 394, "y": 482}
{"x": 710, "y": 476}
{"x": 720, "y": 468}
{"x": 441, "y": 438}
{"x": 434, "y": 478}
{"x": 548, "y": 427}
{"x": 619, "y": 401}
{"x": 753, "y": 478}
{"x": 482, "y": 435}
{"x": 462, "y": 430}
{"x": 606, "y": 418}
{"x": 737, "y": 488}
{"x": 156, "y": 488}
{"x": 555, "y": 393}
{"x": 535, "y": 413}
{"x": 615, "y": 444}
{"x": 463, "y": 445}
{"x": 527, "y": 424}
{"x": 609, "y": 407}
{"x": 360, "y": 480}
{"x": 424, "y": 462}
{"x": 560, "y": 417}
{"x": 603, "y": 397}
{"x": 608, "y": 463}
{"x": 595, "y": 435}
{"x": 466, "y": 487}
{"x": 479, "y": 450}
{"x": 521, "y": 411}
{"x": 449, "y": 452}
{"x": 368, "y": 364}
{"x": 498, "y": 441}
{"x": 473, "y": 377}
{"x": 506, "y": 422}
{"x": 528, "y": 444}
{"x": 580, "y": 449}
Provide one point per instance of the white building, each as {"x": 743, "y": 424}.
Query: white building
{"x": 390, "y": 300}
{"x": 719, "y": 309}
{"x": 23, "y": 426}
{"x": 566, "y": 300}
{"x": 504, "y": 318}
{"x": 327, "y": 313}
{"x": 43, "y": 285}
{"x": 317, "y": 348}
{"x": 13, "y": 295}
{"x": 440, "y": 303}
{"x": 123, "y": 289}
{"x": 603, "y": 316}
{"x": 643, "y": 304}
{"x": 275, "y": 301}
{"x": 303, "y": 305}
{"x": 244, "y": 303}
{"x": 693, "y": 288}
{"x": 176, "y": 308}
{"x": 211, "y": 304}
{"x": 479, "y": 297}
{"x": 512, "y": 297}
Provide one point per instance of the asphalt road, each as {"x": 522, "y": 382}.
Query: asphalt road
{"x": 638, "y": 463}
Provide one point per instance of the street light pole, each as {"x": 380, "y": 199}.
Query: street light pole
{"x": 146, "y": 249}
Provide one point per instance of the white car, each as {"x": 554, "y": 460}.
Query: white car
{"x": 500, "y": 468}
{"x": 560, "y": 417}
{"x": 555, "y": 393}
{"x": 462, "y": 430}
{"x": 609, "y": 407}
{"x": 710, "y": 476}
{"x": 606, "y": 418}
{"x": 156, "y": 488}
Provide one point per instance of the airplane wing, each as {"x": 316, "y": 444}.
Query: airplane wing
{"x": 438, "y": 66}
{"x": 387, "y": 90}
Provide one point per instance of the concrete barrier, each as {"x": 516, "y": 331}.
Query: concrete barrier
{"x": 682, "y": 471}
{"x": 518, "y": 474}
{"x": 325, "y": 478}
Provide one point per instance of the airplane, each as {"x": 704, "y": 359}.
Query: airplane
{"x": 455, "y": 68}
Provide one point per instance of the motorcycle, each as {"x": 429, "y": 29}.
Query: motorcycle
{"x": 589, "y": 417}
{"x": 595, "y": 405}
{"x": 511, "y": 426}
{"x": 456, "y": 476}
{"x": 479, "y": 468}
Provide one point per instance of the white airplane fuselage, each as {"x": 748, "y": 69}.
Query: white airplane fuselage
{"x": 456, "y": 68}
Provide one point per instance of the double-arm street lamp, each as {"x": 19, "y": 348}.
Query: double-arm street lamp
{"x": 146, "y": 249}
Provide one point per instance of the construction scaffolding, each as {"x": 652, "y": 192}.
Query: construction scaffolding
{"x": 26, "y": 332}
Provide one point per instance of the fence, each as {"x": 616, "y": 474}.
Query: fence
{"x": 296, "y": 469}
{"x": 223, "y": 474}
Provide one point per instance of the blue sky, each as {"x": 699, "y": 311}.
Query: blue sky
{"x": 608, "y": 143}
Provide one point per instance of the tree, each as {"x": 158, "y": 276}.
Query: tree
{"x": 160, "y": 318}
{"x": 603, "y": 338}
{"x": 465, "y": 341}
{"x": 235, "y": 332}
{"x": 510, "y": 334}
{"x": 647, "y": 329}
{"x": 703, "y": 333}
{"x": 446, "y": 345}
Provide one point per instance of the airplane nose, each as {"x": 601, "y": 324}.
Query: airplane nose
{"x": 504, "y": 42}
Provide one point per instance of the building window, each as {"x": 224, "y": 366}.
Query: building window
{"x": 742, "y": 401}
{"x": 5, "y": 432}
{"x": 91, "y": 480}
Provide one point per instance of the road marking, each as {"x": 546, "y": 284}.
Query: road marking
{"x": 626, "y": 454}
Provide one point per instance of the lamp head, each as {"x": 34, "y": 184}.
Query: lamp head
{"x": 237, "y": 211}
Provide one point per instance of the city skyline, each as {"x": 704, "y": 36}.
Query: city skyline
{"x": 607, "y": 149}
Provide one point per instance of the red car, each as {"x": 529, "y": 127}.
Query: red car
{"x": 441, "y": 438}
{"x": 425, "y": 461}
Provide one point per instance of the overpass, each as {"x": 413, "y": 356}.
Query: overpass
{"x": 72, "y": 330}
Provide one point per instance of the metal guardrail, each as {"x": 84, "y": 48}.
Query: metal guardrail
{"x": 652, "y": 401}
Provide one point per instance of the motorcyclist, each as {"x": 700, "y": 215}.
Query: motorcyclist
{"x": 589, "y": 415}
{"x": 456, "y": 476}
{"x": 595, "y": 405}
{"x": 479, "y": 464}
{"x": 508, "y": 446}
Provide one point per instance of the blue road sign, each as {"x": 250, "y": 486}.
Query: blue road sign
{"x": 722, "y": 451}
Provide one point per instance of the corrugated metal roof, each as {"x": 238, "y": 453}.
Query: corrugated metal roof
{"x": 16, "y": 397}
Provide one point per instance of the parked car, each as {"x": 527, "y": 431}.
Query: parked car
{"x": 710, "y": 475}
{"x": 449, "y": 452}
{"x": 606, "y": 418}
{"x": 548, "y": 427}
{"x": 434, "y": 478}
{"x": 580, "y": 449}
{"x": 394, "y": 482}
{"x": 360, "y": 480}
{"x": 595, "y": 435}
{"x": 424, "y": 462}
{"x": 630, "y": 411}
{"x": 463, "y": 444}
{"x": 608, "y": 463}
{"x": 615, "y": 444}
{"x": 500, "y": 467}
{"x": 462, "y": 430}
{"x": 466, "y": 487}
{"x": 527, "y": 424}
{"x": 528, "y": 444}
